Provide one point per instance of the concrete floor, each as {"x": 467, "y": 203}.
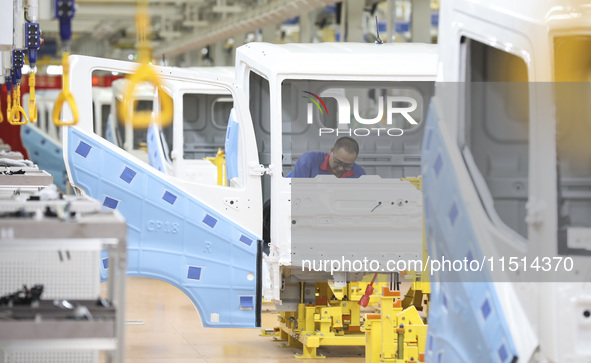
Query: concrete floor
{"x": 164, "y": 326}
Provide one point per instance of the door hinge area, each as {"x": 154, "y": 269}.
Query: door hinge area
{"x": 259, "y": 169}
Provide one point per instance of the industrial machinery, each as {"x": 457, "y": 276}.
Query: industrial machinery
{"x": 507, "y": 183}
{"x": 21, "y": 41}
{"x": 21, "y": 36}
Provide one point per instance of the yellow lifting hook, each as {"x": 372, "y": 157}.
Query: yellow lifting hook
{"x": 8, "y": 104}
{"x": 17, "y": 109}
{"x": 65, "y": 96}
{"x": 1, "y": 117}
{"x": 145, "y": 73}
{"x": 32, "y": 100}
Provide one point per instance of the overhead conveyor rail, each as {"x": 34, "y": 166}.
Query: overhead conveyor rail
{"x": 271, "y": 12}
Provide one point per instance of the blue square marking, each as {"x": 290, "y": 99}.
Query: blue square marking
{"x": 444, "y": 300}
{"x": 169, "y": 197}
{"x": 438, "y": 165}
{"x": 58, "y": 151}
{"x": 503, "y": 353}
{"x": 127, "y": 175}
{"x": 194, "y": 273}
{"x": 105, "y": 263}
{"x": 43, "y": 141}
{"x": 247, "y": 241}
{"x": 453, "y": 214}
{"x": 210, "y": 221}
{"x": 110, "y": 203}
{"x": 246, "y": 302}
{"x": 36, "y": 153}
{"x": 83, "y": 149}
{"x": 27, "y": 131}
{"x": 485, "y": 309}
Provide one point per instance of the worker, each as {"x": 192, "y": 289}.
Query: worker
{"x": 340, "y": 161}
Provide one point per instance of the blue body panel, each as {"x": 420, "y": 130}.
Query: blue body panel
{"x": 466, "y": 322}
{"x": 46, "y": 153}
{"x": 110, "y": 132}
{"x": 156, "y": 156}
{"x": 171, "y": 236}
{"x": 231, "y": 147}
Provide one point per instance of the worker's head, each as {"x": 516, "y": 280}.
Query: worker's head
{"x": 342, "y": 155}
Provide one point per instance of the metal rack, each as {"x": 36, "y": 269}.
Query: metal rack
{"x": 79, "y": 228}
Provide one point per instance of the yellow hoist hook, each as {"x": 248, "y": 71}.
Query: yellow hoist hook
{"x": 32, "y": 100}
{"x": 17, "y": 113}
{"x": 65, "y": 96}
{"x": 8, "y": 104}
{"x": 1, "y": 114}
{"x": 145, "y": 73}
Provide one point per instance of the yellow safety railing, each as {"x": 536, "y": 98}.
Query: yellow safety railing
{"x": 32, "y": 100}
{"x": 145, "y": 73}
{"x": 65, "y": 97}
{"x": 17, "y": 113}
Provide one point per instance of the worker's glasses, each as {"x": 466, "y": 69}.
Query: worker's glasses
{"x": 340, "y": 164}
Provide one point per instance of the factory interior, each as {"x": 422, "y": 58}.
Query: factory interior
{"x": 274, "y": 180}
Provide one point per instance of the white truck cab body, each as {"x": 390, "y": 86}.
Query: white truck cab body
{"x": 102, "y": 102}
{"x": 196, "y": 235}
{"x": 507, "y": 180}
{"x": 198, "y": 130}
{"x": 123, "y": 133}
{"x": 358, "y": 90}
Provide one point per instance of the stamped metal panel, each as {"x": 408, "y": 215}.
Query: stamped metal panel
{"x": 172, "y": 236}
{"x": 355, "y": 219}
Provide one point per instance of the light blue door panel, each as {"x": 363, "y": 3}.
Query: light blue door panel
{"x": 46, "y": 153}
{"x": 110, "y": 131}
{"x": 172, "y": 236}
{"x": 466, "y": 322}
{"x": 156, "y": 156}
{"x": 231, "y": 146}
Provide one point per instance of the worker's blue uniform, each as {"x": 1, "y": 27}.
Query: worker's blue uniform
{"x": 314, "y": 163}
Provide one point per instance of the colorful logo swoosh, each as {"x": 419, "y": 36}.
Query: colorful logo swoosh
{"x": 316, "y": 102}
